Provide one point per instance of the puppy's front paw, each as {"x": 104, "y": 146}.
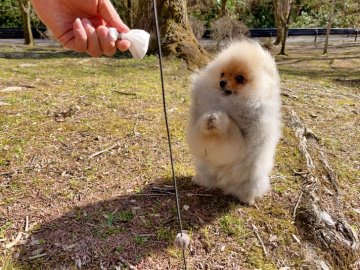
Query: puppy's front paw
{"x": 212, "y": 121}
{"x": 216, "y": 122}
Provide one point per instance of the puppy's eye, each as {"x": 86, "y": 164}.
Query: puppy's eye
{"x": 222, "y": 74}
{"x": 240, "y": 79}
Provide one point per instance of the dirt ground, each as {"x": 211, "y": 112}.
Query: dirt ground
{"x": 85, "y": 181}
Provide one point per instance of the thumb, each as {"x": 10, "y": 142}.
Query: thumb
{"x": 107, "y": 11}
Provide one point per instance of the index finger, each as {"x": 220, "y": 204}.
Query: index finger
{"x": 112, "y": 18}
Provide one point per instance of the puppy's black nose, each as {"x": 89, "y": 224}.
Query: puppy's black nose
{"x": 223, "y": 83}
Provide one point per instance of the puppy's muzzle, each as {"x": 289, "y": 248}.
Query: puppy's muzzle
{"x": 225, "y": 91}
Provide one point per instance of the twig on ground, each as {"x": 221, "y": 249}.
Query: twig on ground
{"x": 164, "y": 190}
{"x": 277, "y": 176}
{"x": 146, "y": 235}
{"x": 8, "y": 173}
{"x": 103, "y": 151}
{"x": 300, "y": 173}
{"x": 297, "y": 204}
{"x": 38, "y": 256}
{"x": 289, "y": 96}
{"x": 124, "y": 93}
{"x": 127, "y": 264}
{"x": 287, "y": 89}
{"x": 153, "y": 194}
{"x": 256, "y": 231}
{"x": 199, "y": 195}
{"x": 26, "y": 229}
{"x": 15, "y": 242}
{"x": 16, "y": 171}
{"x": 296, "y": 239}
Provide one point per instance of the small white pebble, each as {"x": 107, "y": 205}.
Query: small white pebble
{"x": 182, "y": 240}
{"x": 186, "y": 207}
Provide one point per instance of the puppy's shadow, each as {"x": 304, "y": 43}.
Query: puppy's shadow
{"x": 132, "y": 226}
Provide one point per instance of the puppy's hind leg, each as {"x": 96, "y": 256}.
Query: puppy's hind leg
{"x": 253, "y": 189}
{"x": 203, "y": 176}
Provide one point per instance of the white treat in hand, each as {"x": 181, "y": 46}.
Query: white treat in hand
{"x": 139, "y": 40}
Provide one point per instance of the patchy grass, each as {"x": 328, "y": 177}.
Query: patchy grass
{"x": 93, "y": 209}
{"x": 231, "y": 225}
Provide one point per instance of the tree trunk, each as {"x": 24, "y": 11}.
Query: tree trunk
{"x": 279, "y": 34}
{"x": 331, "y": 17}
{"x": 223, "y": 8}
{"x": 283, "y": 41}
{"x": 177, "y": 37}
{"x": 25, "y": 13}
{"x": 279, "y": 27}
{"x": 129, "y": 14}
{"x": 282, "y": 9}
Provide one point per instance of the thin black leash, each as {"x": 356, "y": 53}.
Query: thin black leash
{"x": 167, "y": 126}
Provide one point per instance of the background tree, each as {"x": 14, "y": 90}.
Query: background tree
{"x": 315, "y": 13}
{"x": 197, "y": 27}
{"x": 279, "y": 25}
{"x": 282, "y": 9}
{"x": 25, "y": 8}
{"x": 226, "y": 28}
{"x": 331, "y": 18}
{"x": 204, "y": 10}
{"x": 223, "y": 9}
{"x": 10, "y": 14}
{"x": 126, "y": 9}
{"x": 254, "y": 13}
{"x": 176, "y": 34}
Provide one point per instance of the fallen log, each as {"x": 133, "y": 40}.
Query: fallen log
{"x": 320, "y": 220}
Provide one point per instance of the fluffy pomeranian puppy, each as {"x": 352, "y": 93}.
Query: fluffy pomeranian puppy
{"x": 235, "y": 121}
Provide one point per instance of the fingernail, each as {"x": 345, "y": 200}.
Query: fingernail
{"x": 86, "y": 22}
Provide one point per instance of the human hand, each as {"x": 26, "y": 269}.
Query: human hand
{"x": 82, "y": 25}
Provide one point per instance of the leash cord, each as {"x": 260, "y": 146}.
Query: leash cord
{"x": 167, "y": 127}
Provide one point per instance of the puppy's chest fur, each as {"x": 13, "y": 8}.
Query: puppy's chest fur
{"x": 246, "y": 114}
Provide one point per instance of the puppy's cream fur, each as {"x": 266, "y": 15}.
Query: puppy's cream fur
{"x": 235, "y": 125}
